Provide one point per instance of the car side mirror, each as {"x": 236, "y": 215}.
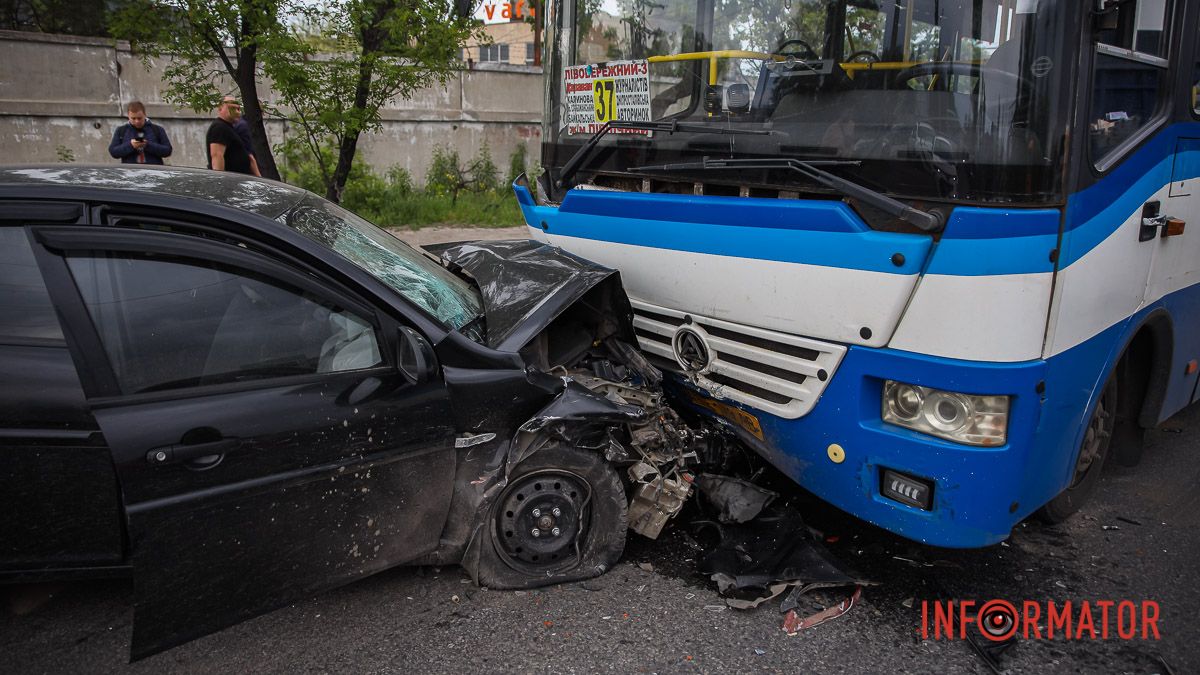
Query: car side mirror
{"x": 416, "y": 360}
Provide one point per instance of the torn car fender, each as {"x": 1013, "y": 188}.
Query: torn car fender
{"x": 577, "y": 416}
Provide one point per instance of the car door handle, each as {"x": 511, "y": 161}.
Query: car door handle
{"x": 174, "y": 454}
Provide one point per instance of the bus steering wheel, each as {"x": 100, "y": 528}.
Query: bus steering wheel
{"x": 863, "y": 56}
{"x": 948, "y": 68}
{"x": 807, "y": 53}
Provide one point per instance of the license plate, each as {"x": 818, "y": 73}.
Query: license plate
{"x": 735, "y": 415}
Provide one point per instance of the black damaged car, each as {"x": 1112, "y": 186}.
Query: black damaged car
{"x": 242, "y": 394}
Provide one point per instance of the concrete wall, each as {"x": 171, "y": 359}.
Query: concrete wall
{"x": 68, "y": 94}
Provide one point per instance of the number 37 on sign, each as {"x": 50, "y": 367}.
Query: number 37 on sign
{"x": 599, "y": 93}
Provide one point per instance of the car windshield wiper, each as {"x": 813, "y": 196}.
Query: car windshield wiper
{"x": 810, "y": 169}
{"x": 576, "y": 161}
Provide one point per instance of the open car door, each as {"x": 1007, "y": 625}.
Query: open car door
{"x": 267, "y": 446}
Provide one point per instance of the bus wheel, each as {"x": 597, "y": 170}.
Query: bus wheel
{"x": 1090, "y": 461}
{"x": 561, "y": 518}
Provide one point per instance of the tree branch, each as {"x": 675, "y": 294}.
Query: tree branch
{"x": 207, "y": 34}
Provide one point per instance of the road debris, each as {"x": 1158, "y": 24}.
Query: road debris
{"x": 736, "y": 500}
{"x": 793, "y": 624}
{"x": 913, "y": 562}
{"x": 759, "y": 560}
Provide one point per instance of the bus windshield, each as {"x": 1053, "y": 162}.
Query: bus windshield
{"x": 957, "y": 100}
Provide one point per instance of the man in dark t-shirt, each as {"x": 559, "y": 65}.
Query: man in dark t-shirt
{"x": 226, "y": 151}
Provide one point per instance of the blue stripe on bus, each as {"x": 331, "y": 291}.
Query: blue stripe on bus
{"x": 864, "y": 250}
{"x": 973, "y": 222}
{"x": 962, "y": 251}
{"x": 985, "y": 242}
{"x": 989, "y": 257}
{"x": 816, "y": 215}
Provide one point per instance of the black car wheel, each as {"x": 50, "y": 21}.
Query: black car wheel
{"x": 1090, "y": 460}
{"x": 562, "y": 517}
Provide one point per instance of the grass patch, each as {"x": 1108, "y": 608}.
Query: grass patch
{"x": 489, "y": 209}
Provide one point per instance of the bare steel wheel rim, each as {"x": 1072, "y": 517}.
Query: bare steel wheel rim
{"x": 541, "y": 521}
{"x": 1099, "y": 431}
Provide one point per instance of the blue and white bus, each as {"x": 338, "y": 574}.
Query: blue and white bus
{"x": 928, "y": 257}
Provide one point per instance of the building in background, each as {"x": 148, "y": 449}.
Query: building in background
{"x": 513, "y": 34}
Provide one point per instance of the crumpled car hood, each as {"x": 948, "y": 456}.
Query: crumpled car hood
{"x": 525, "y": 284}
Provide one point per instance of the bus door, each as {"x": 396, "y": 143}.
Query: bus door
{"x": 1171, "y": 228}
{"x": 1155, "y": 183}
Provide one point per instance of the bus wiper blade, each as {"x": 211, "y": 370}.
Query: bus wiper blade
{"x": 928, "y": 222}
{"x": 576, "y": 161}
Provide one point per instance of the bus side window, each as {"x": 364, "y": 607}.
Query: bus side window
{"x": 1128, "y": 74}
{"x": 1138, "y": 25}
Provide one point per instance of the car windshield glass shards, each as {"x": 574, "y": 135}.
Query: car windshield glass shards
{"x": 448, "y": 298}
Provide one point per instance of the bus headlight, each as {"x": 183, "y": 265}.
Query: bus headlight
{"x": 962, "y": 418}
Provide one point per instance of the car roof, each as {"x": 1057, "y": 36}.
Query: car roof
{"x": 263, "y": 197}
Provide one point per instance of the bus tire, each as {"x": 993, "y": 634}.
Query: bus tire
{"x": 576, "y": 501}
{"x": 1089, "y": 461}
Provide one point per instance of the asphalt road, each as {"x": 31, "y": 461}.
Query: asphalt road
{"x": 670, "y": 620}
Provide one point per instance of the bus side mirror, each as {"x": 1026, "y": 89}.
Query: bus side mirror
{"x": 737, "y": 98}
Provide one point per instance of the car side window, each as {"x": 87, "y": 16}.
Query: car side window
{"x": 26, "y": 312}
{"x": 169, "y": 323}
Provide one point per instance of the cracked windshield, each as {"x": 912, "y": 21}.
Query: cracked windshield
{"x": 448, "y": 298}
{"x": 952, "y": 100}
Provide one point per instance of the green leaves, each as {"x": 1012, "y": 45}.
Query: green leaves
{"x": 382, "y": 50}
{"x": 333, "y": 66}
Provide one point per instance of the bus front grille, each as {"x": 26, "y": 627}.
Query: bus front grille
{"x": 774, "y": 372}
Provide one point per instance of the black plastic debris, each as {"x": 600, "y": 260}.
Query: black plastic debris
{"x": 736, "y": 500}
{"x": 764, "y": 557}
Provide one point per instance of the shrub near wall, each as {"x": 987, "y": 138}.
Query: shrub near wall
{"x": 392, "y": 200}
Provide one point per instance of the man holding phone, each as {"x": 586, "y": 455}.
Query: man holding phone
{"x": 226, "y": 151}
{"x": 139, "y": 141}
